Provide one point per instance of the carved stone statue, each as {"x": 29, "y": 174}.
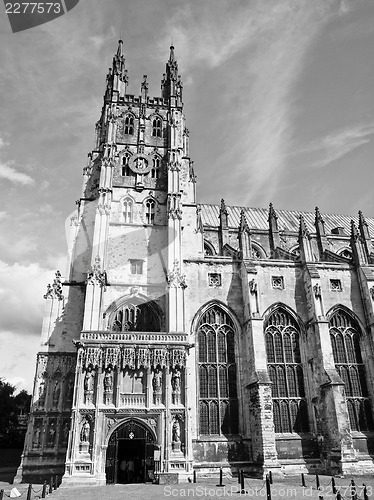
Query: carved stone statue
{"x": 41, "y": 392}
{"x": 157, "y": 387}
{"x": 85, "y": 432}
{"x": 108, "y": 380}
{"x": 176, "y": 431}
{"x": 51, "y": 434}
{"x": 176, "y": 386}
{"x": 37, "y": 436}
{"x": 108, "y": 386}
{"x": 56, "y": 394}
{"x": 89, "y": 381}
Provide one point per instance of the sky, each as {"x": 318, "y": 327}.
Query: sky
{"x": 279, "y": 101}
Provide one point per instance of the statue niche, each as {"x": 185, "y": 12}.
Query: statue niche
{"x": 132, "y": 317}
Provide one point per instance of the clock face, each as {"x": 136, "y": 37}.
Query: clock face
{"x": 140, "y": 163}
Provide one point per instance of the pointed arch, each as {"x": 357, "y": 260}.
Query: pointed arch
{"x": 149, "y": 205}
{"x": 127, "y": 205}
{"x": 215, "y": 328}
{"x": 134, "y": 313}
{"x": 156, "y": 125}
{"x": 209, "y": 249}
{"x": 282, "y": 330}
{"x": 129, "y": 123}
{"x": 345, "y": 336}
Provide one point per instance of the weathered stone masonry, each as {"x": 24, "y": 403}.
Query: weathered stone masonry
{"x": 187, "y": 336}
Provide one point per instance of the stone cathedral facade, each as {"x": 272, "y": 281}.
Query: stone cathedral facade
{"x": 187, "y": 336}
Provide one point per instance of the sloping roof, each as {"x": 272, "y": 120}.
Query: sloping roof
{"x": 287, "y": 219}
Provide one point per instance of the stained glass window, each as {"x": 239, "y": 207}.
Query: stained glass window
{"x": 345, "y": 342}
{"x": 217, "y": 373}
{"x": 282, "y": 335}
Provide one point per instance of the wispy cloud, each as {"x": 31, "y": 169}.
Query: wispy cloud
{"x": 328, "y": 149}
{"x": 271, "y": 40}
{"x": 11, "y": 174}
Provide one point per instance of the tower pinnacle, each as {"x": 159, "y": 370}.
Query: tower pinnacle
{"x": 171, "y": 84}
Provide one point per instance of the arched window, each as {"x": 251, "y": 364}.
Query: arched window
{"x": 128, "y": 210}
{"x": 155, "y": 168}
{"x": 218, "y": 403}
{"x": 135, "y": 318}
{"x": 282, "y": 335}
{"x": 346, "y": 253}
{"x": 150, "y": 211}
{"x": 345, "y": 341}
{"x": 157, "y": 127}
{"x": 129, "y": 125}
{"x": 126, "y": 171}
{"x": 208, "y": 249}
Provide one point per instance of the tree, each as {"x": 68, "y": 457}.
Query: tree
{"x": 14, "y": 411}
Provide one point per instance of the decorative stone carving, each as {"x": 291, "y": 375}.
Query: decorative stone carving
{"x": 96, "y": 276}
{"x": 178, "y": 358}
{"x": 371, "y": 290}
{"x": 317, "y": 290}
{"x": 54, "y": 291}
{"x": 157, "y": 387}
{"x": 42, "y": 392}
{"x": 92, "y": 356}
{"x": 143, "y": 356}
{"x": 37, "y": 435}
{"x": 128, "y": 358}
{"x": 176, "y": 386}
{"x": 174, "y": 278}
{"x": 112, "y": 356}
{"x": 253, "y": 286}
{"x": 159, "y": 357}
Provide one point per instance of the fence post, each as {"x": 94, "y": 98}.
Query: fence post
{"x": 220, "y": 478}
{"x": 333, "y": 485}
{"x": 353, "y": 490}
{"x": 317, "y": 482}
{"x": 239, "y": 473}
{"x": 242, "y": 490}
{"x": 29, "y": 492}
{"x": 268, "y": 489}
{"x": 1, "y": 494}
{"x": 51, "y": 485}
{"x": 302, "y": 480}
{"x": 194, "y": 476}
{"x": 366, "y": 497}
{"x": 44, "y": 489}
{"x": 270, "y": 477}
{"x": 55, "y": 483}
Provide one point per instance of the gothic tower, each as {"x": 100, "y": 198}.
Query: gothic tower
{"x": 114, "y": 327}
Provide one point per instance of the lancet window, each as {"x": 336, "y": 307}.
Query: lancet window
{"x": 150, "y": 211}
{"x": 345, "y": 341}
{"x": 157, "y": 127}
{"x": 218, "y": 401}
{"x": 282, "y": 336}
{"x": 128, "y": 208}
{"x": 155, "y": 168}
{"x": 126, "y": 170}
{"x": 135, "y": 317}
{"x": 129, "y": 125}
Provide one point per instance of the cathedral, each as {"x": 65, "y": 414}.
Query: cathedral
{"x": 187, "y": 337}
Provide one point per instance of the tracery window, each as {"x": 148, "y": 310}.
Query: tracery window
{"x": 157, "y": 127}
{"x": 150, "y": 211}
{"x": 128, "y": 206}
{"x": 282, "y": 336}
{"x": 345, "y": 341}
{"x": 129, "y": 125}
{"x": 135, "y": 317}
{"x": 218, "y": 402}
{"x": 155, "y": 168}
{"x": 126, "y": 170}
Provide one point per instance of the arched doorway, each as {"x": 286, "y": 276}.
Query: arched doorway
{"x": 130, "y": 454}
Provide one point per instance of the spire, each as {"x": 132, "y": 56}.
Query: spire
{"x": 359, "y": 252}
{"x": 117, "y": 78}
{"x": 244, "y": 237}
{"x": 144, "y": 88}
{"x": 223, "y": 229}
{"x": 306, "y": 253}
{"x": 273, "y": 231}
{"x": 223, "y": 214}
{"x": 321, "y": 234}
{"x": 171, "y": 84}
